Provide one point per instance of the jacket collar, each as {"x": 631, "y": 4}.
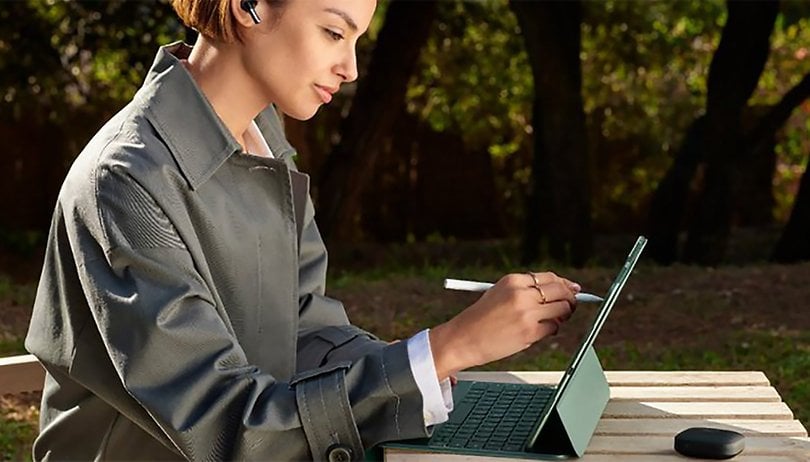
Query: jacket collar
{"x": 185, "y": 120}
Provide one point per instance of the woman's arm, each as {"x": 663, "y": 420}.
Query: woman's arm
{"x": 175, "y": 356}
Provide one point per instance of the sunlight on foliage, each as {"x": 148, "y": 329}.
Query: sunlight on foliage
{"x": 83, "y": 52}
{"x": 645, "y": 66}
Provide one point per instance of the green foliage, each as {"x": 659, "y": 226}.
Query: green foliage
{"x": 77, "y": 53}
{"x": 475, "y": 75}
{"x": 644, "y": 80}
{"x": 788, "y": 63}
{"x": 475, "y": 80}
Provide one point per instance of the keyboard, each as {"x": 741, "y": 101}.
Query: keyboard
{"x": 493, "y": 416}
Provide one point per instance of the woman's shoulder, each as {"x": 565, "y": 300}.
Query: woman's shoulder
{"x": 126, "y": 149}
{"x": 129, "y": 140}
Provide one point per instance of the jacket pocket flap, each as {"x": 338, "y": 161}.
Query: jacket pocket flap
{"x": 339, "y": 335}
{"x": 329, "y": 368}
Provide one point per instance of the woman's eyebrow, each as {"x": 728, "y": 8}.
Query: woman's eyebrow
{"x": 349, "y": 21}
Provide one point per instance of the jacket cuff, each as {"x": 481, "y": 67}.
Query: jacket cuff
{"x": 409, "y": 420}
{"x": 326, "y": 414}
{"x": 334, "y": 344}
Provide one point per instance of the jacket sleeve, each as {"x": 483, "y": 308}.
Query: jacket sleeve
{"x": 325, "y": 333}
{"x": 179, "y": 360}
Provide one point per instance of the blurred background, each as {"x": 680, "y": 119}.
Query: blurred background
{"x": 547, "y": 123}
{"x": 491, "y": 136}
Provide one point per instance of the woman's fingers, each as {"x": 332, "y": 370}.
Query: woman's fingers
{"x": 544, "y": 278}
{"x": 549, "y": 277}
{"x": 554, "y": 291}
{"x": 546, "y": 328}
{"x": 575, "y": 288}
{"x": 553, "y": 311}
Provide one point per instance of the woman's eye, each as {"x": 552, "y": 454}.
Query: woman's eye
{"x": 333, "y": 35}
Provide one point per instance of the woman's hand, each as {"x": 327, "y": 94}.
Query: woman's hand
{"x": 517, "y": 311}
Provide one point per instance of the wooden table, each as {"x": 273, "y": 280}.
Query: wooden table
{"x": 647, "y": 409}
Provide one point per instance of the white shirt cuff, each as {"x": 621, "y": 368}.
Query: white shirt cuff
{"x": 437, "y": 398}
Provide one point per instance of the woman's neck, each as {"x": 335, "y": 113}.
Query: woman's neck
{"x": 217, "y": 70}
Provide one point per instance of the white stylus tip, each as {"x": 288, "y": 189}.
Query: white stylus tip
{"x": 588, "y": 298}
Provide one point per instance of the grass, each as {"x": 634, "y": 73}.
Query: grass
{"x": 18, "y": 427}
{"x": 13, "y": 346}
{"x": 16, "y": 294}
{"x": 18, "y": 414}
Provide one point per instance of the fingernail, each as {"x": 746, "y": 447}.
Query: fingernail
{"x": 576, "y": 287}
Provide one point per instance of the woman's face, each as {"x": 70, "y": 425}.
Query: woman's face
{"x": 299, "y": 60}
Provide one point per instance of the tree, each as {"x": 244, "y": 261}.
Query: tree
{"x": 716, "y": 139}
{"x": 559, "y": 206}
{"x": 65, "y": 67}
{"x": 669, "y": 200}
{"x": 379, "y": 99}
{"x": 735, "y": 70}
{"x": 794, "y": 244}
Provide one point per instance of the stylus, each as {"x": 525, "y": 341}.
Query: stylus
{"x": 475, "y": 286}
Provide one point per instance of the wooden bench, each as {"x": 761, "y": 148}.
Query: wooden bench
{"x": 20, "y": 374}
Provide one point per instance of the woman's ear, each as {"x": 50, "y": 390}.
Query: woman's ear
{"x": 246, "y": 12}
{"x": 250, "y": 7}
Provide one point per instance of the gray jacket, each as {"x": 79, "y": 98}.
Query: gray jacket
{"x": 181, "y": 309}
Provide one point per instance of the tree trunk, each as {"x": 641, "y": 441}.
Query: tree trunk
{"x": 794, "y": 245}
{"x": 379, "y": 99}
{"x": 754, "y": 204}
{"x": 733, "y": 75}
{"x": 754, "y": 201}
{"x": 559, "y": 205}
{"x": 669, "y": 201}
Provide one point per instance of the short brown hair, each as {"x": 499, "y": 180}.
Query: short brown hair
{"x": 213, "y": 18}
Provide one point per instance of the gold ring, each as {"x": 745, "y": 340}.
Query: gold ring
{"x": 542, "y": 295}
{"x": 537, "y": 286}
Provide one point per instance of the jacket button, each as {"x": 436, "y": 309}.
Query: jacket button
{"x": 339, "y": 453}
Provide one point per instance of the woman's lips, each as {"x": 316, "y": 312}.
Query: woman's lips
{"x": 324, "y": 93}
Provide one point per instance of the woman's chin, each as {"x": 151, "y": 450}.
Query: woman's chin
{"x": 301, "y": 113}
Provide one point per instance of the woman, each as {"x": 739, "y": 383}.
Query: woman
{"x": 181, "y": 309}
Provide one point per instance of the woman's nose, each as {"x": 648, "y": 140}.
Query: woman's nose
{"x": 348, "y": 68}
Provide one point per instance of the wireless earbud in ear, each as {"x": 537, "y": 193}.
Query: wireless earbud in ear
{"x": 250, "y": 7}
